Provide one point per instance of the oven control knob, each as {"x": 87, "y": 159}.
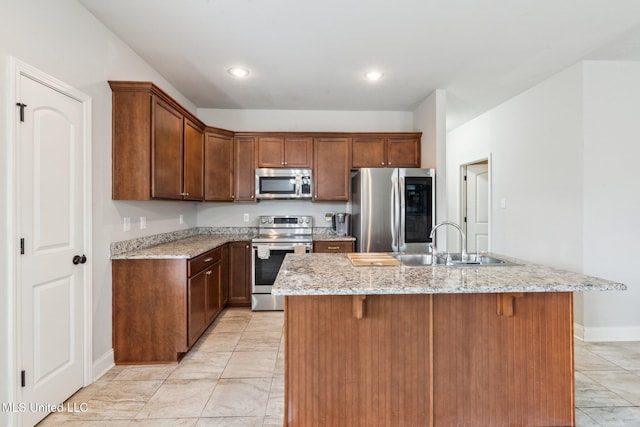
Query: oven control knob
{"x": 306, "y": 220}
{"x": 270, "y": 220}
{"x": 263, "y": 220}
{"x": 299, "y": 220}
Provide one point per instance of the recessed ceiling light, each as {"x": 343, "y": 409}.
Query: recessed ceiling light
{"x": 238, "y": 72}
{"x": 373, "y": 75}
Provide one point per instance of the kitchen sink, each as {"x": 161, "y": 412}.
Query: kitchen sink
{"x": 452, "y": 259}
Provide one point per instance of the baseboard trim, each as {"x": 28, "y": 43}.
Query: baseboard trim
{"x": 606, "y": 334}
{"x": 103, "y": 364}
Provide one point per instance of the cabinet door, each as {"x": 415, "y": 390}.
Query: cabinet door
{"x": 166, "y": 143}
{"x": 218, "y": 152}
{"x": 368, "y": 152}
{"x": 403, "y": 152}
{"x": 298, "y": 152}
{"x": 196, "y": 302}
{"x": 332, "y": 164}
{"x": 270, "y": 152}
{"x": 193, "y": 162}
{"x": 240, "y": 274}
{"x": 224, "y": 279}
{"x": 213, "y": 294}
{"x": 245, "y": 174}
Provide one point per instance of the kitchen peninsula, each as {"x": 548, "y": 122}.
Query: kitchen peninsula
{"x": 428, "y": 346}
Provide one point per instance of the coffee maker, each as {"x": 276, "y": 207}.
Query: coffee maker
{"x": 341, "y": 224}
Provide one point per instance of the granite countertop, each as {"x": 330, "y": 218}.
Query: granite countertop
{"x": 333, "y": 237}
{"x": 187, "y": 245}
{"x": 183, "y": 248}
{"x": 333, "y": 274}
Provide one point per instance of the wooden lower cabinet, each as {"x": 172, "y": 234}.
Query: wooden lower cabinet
{"x": 429, "y": 360}
{"x": 239, "y": 274}
{"x": 333, "y": 246}
{"x": 162, "y": 306}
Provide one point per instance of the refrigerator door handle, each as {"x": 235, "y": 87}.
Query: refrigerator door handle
{"x": 394, "y": 212}
{"x": 402, "y": 244}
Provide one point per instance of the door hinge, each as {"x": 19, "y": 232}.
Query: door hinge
{"x": 22, "y": 246}
{"x": 465, "y": 177}
{"x": 465, "y": 219}
{"x": 21, "y": 105}
{"x": 23, "y": 378}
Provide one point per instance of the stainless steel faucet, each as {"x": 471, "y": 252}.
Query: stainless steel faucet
{"x": 463, "y": 237}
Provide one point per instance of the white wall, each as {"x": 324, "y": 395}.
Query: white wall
{"x": 430, "y": 117}
{"x": 563, "y": 157}
{"x": 309, "y": 120}
{"x": 231, "y": 214}
{"x": 535, "y": 144}
{"x": 611, "y": 196}
{"x": 62, "y": 39}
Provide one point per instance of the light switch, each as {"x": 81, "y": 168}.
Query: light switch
{"x": 143, "y": 222}
{"x": 181, "y": 219}
{"x": 127, "y": 224}
{"x": 503, "y": 203}
{"x": 245, "y": 217}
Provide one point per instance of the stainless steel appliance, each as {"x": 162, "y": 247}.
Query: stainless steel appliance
{"x": 277, "y": 236}
{"x": 393, "y": 210}
{"x": 273, "y": 183}
{"x": 341, "y": 224}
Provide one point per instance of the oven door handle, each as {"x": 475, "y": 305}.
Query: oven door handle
{"x": 281, "y": 247}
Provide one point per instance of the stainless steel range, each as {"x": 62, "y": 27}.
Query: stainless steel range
{"x": 277, "y": 236}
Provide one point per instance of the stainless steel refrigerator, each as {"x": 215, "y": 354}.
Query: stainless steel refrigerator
{"x": 393, "y": 209}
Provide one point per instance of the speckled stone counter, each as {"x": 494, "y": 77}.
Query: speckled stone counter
{"x": 188, "y": 247}
{"x": 333, "y": 274}
{"x": 333, "y": 237}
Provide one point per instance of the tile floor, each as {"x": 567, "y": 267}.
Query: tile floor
{"x": 234, "y": 377}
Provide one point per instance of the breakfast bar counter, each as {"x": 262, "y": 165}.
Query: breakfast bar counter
{"x": 398, "y": 345}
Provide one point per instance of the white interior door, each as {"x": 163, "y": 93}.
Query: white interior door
{"x": 477, "y": 207}
{"x": 50, "y": 214}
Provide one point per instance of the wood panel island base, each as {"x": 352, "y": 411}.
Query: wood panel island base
{"x": 429, "y": 360}
{"x": 428, "y": 346}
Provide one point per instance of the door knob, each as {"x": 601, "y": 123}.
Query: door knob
{"x": 78, "y": 259}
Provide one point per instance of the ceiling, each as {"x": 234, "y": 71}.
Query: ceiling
{"x": 311, "y": 55}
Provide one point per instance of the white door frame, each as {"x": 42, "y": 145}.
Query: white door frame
{"x": 462, "y": 199}
{"x": 18, "y": 69}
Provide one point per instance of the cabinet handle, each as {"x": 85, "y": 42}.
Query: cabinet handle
{"x": 184, "y": 194}
{"x": 382, "y": 163}
{"x": 333, "y": 247}
{"x": 252, "y": 196}
{"x": 208, "y": 259}
{"x": 209, "y": 272}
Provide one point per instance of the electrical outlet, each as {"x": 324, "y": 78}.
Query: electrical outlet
{"x": 143, "y": 222}
{"x": 127, "y": 224}
{"x": 245, "y": 217}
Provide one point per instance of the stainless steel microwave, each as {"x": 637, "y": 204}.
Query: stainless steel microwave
{"x": 275, "y": 183}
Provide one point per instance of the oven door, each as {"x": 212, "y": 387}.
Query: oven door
{"x": 266, "y": 269}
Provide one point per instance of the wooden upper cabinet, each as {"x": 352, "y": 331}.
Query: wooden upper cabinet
{"x": 245, "y": 175}
{"x": 331, "y": 168}
{"x": 386, "y": 151}
{"x": 193, "y": 187}
{"x": 218, "y": 166}
{"x": 403, "y": 152}
{"x": 284, "y": 152}
{"x": 157, "y": 145}
{"x": 369, "y": 152}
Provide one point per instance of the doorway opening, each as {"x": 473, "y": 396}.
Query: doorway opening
{"x": 475, "y": 204}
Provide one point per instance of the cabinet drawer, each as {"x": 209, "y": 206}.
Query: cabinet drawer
{"x": 199, "y": 263}
{"x": 333, "y": 246}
